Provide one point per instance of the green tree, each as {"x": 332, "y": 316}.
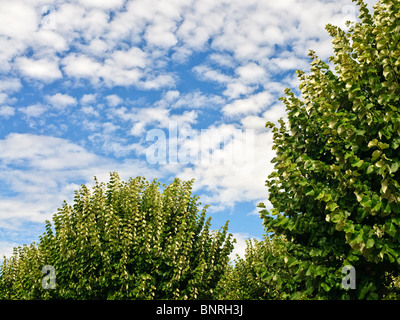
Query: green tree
{"x": 241, "y": 281}
{"x": 123, "y": 240}
{"x": 335, "y": 188}
{"x": 265, "y": 273}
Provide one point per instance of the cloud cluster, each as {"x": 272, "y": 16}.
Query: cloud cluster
{"x": 131, "y": 43}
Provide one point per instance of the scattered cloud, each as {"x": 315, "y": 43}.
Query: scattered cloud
{"x": 193, "y": 100}
{"x": 88, "y": 99}
{"x": 10, "y": 84}
{"x": 251, "y": 105}
{"x": 60, "y": 101}
{"x": 114, "y": 100}
{"x": 102, "y": 4}
{"x": 251, "y": 73}
{"x": 6, "y": 111}
{"x": 43, "y": 69}
{"x": 42, "y": 171}
{"x": 34, "y": 111}
{"x": 42, "y": 152}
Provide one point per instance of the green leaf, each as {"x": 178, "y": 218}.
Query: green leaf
{"x": 370, "y": 169}
{"x": 380, "y": 163}
{"x": 376, "y": 154}
{"x": 373, "y": 143}
{"x": 326, "y": 287}
{"x": 395, "y": 143}
{"x": 377, "y": 206}
{"x": 383, "y": 145}
{"x": 358, "y": 164}
{"x": 386, "y": 71}
{"x": 332, "y": 205}
{"x": 310, "y": 192}
{"x": 394, "y": 167}
{"x": 370, "y": 243}
{"x": 366, "y": 202}
{"x": 332, "y": 123}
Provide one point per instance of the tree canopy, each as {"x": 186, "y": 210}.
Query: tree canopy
{"x": 335, "y": 185}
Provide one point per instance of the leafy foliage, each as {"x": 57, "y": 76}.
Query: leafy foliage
{"x": 242, "y": 281}
{"x": 265, "y": 273}
{"x": 335, "y": 189}
{"x": 125, "y": 240}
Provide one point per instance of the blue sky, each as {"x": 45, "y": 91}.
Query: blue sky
{"x": 93, "y": 86}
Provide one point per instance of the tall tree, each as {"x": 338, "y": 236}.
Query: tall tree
{"x": 126, "y": 240}
{"x": 335, "y": 187}
{"x": 264, "y": 273}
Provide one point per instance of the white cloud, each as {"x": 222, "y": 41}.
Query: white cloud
{"x": 114, "y": 100}
{"x": 6, "y": 249}
{"x": 192, "y": 100}
{"x": 106, "y": 135}
{"x": 194, "y": 34}
{"x": 43, "y": 152}
{"x": 223, "y": 60}
{"x": 6, "y": 111}
{"x": 39, "y": 169}
{"x": 251, "y": 73}
{"x": 17, "y": 19}
{"x": 10, "y": 84}
{"x": 48, "y": 43}
{"x": 88, "y": 98}
{"x": 120, "y": 70}
{"x": 232, "y": 164}
{"x": 43, "y": 171}
{"x": 89, "y": 110}
{"x": 33, "y": 111}
{"x": 253, "y": 122}
{"x": 134, "y": 57}
{"x": 160, "y": 36}
{"x": 157, "y": 82}
{"x": 207, "y": 73}
{"x": 3, "y": 97}
{"x": 79, "y": 66}
{"x": 235, "y": 89}
{"x": 42, "y": 69}
{"x": 273, "y": 114}
{"x": 288, "y": 61}
{"x": 240, "y": 245}
{"x": 251, "y": 105}
{"x": 102, "y": 4}
{"x": 246, "y": 31}
{"x": 61, "y": 101}
{"x": 159, "y": 118}
{"x": 96, "y": 47}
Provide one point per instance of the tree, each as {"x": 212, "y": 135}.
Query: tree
{"x": 241, "y": 281}
{"x": 335, "y": 187}
{"x": 263, "y": 274}
{"x": 125, "y": 240}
